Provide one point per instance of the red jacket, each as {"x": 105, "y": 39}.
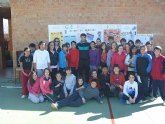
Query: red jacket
{"x": 45, "y": 86}
{"x": 120, "y": 60}
{"x": 157, "y": 68}
{"x": 117, "y": 80}
{"x": 35, "y": 89}
{"x": 73, "y": 58}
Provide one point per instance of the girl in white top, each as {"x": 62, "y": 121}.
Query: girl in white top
{"x": 41, "y": 59}
{"x": 130, "y": 90}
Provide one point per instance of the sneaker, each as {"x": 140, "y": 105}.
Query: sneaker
{"x": 54, "y": 106}
{"x": 141, "y": 101}
{"x": 83, "y": 100}
{"x": 164, "y": 103}
{"x": 23, "y": 96}
{"x": 153, "y": 98}
{"x": 127, "y": 102}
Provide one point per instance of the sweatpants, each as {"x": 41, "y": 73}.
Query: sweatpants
{"x": 24, "y": 80}
{"x": 36, "y": 98}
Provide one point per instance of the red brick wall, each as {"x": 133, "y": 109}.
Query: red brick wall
{"x": 30, "y": 18}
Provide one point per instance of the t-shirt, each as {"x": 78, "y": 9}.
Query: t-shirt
{"x": 26, "y": 62}
{"x": 41, "y": 58}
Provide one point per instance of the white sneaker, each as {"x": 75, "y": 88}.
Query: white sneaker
{"x": 54, "y": 106}
{"x": 127, "y": 102}
{"x": 141, "y": 101}
{"x": 23, "y": 96}
{"x": 163, "y": 103}
{"x": 153, "y": 98}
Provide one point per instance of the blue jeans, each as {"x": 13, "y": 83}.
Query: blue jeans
{"x": 74, "y": 101}
{"x": 40, "y": 72}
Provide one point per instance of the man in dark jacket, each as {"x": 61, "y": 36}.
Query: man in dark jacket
{"x": 83, "y": 47}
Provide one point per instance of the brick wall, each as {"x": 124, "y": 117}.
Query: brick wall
{"x": 30, "y": 18}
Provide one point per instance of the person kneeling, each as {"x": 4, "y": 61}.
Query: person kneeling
{"x": 130, "y": 91}
{"x": 79, "y": 97}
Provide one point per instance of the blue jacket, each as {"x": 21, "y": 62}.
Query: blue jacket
{"x": 62, "y": 59}
{"x": 143, "y": 64}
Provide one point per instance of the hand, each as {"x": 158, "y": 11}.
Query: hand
{"x": 121, "y": 87}
{"x": 130, "y": 100}
{"x": 83, "y": 100}
{"x": 133, "y": 100}
{"x": 101, "y": 102}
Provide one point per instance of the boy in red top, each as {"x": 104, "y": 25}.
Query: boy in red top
{"x": 158, "y": 73}
{"x": 117, "y": 80}
{"x": 119, "y": 58}
{"x": 73, "y": 58}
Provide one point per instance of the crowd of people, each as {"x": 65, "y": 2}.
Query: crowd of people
{"x": 75, "y": 73}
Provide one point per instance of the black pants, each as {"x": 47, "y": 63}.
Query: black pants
{"x": 51, "y": 97}
{"x": 158, "y": 84}
{"x": 84, "y": 69}
{"x": 53, "y": 73}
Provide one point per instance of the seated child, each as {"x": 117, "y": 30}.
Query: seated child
{"x": 76, "y": 100}
{"x": 104, "y": 80}
{"x": 94, "y": 76}
{"x": 130, "y": 91}
{"x": 117, "y": 80}
{"x": 70, "y": 82}
{"x": 57, "y": 86}
{"x": 45, "y": 82}
{"x": 33, "y": 86}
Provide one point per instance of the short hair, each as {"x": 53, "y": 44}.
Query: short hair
{"x": 94, "y": 80}
{"x": 80, "y": 77}
{"x": 116, "y": 66}
{"x": 137, "y": 41}
{"x": 131, "y": 73}
{"x": 73, "y": 42}
{"x": 143, "y": 46}
{"x": 92, "y": 42}
{"x": 83, "y": 34}
{"x": 131, "y": 41}
{"x": 123, "y": 40}
{"x": 148, "y": 43}
{"x": 98, "y": 39}
{"x": 64, "y": 45}
{"x": 158, "y": 48}
{"x": 26, "y": 48}
{"x": 68, "y": 68}
{"x": 32, "y": 45}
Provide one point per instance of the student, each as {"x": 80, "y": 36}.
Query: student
{"x": 62, "y": 59}
{"x": 117, "y": 81}
{"x": 109, "y": 42}
{"x": 131, "y": 43}
{"x": 98, "y": 43}
{"x": 110, "y": 54}
{"x": 83, "y": 47}
{"x": 94, "y": 76}
{"x": 123, "y": 43}
{"x": 57, "y": 45}
{"x": 104, "y": 80}
{"x": 45, "y": 82}
{"x": 138, "y": 44}
{"x": 130, "y": 60}
{"x": 130, "y": 90}
{"x": 41, "y": 59}
{"x": 149, "y": 48}
{"x": 76, "y": 100}
{"x": 73, "y": 58}
{"x": 70, "y": 82}
{"x": 26, "y": 68}
{"x": 34, "y": 88}
{"x": 32, "y": 48}
{"x": 158, "y": 73}
{"x": 119, "y": 58}
{"x": 53, "y": 59}
{"x": 127, "y": 48}
{"x": 142, "y": 67}
{"x": 94, "y": 56}
{"x": 57, "y": 87}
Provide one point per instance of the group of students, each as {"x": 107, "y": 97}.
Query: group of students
{"x": 72, "y": 75}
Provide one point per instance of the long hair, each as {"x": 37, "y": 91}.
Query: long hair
{"x": 31, "y": 80}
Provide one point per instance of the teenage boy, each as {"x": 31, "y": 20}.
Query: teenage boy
{"x": 143, "y": 64}
{"x": 76, "y": 99}
{"x": 158, "y": 73}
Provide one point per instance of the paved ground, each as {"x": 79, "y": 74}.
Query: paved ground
{"x": 14, "y": 110}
